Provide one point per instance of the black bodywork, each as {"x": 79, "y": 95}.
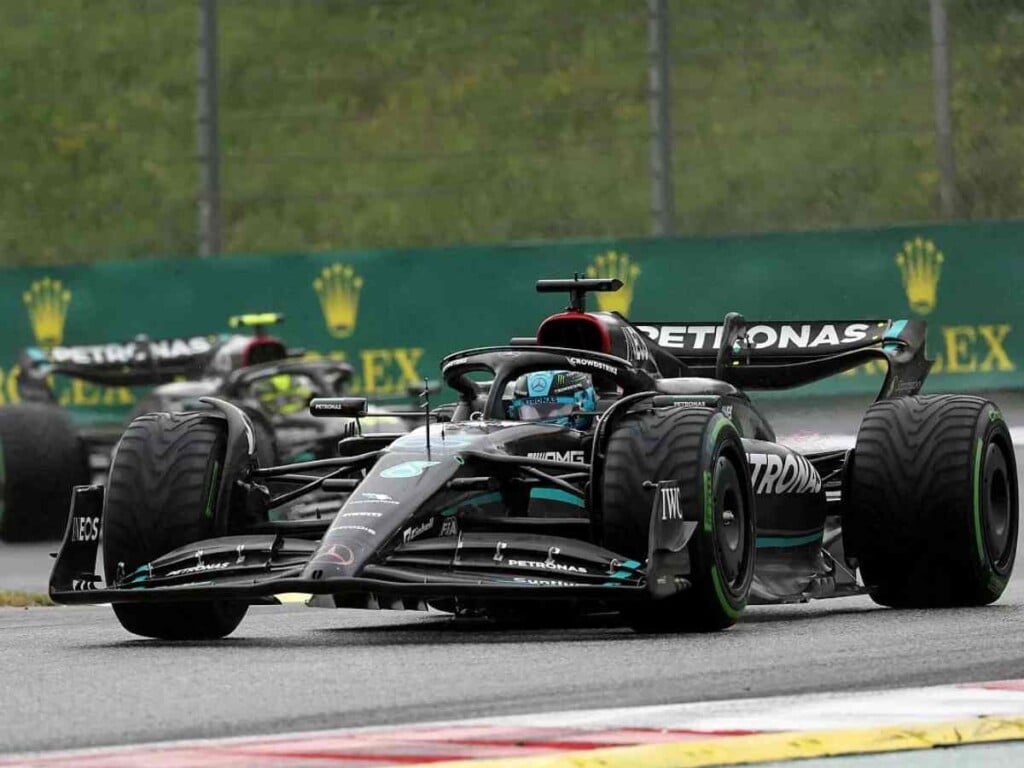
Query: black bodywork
{"x": 181, "y": 371}
{"x": 471, "y": 510}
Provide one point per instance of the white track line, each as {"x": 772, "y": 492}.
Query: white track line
{"x": 811, "y": 712}
{"x": 819, "y": 711}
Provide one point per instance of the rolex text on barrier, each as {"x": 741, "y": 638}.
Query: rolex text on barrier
{"x": 393, "y": 314}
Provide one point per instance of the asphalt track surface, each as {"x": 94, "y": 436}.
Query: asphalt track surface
{"x": 71, "y": 677}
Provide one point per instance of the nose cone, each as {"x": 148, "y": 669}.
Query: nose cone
{"x": 396, "y": 489}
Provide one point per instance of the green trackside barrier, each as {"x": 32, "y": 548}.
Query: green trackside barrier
{"x": 393, "y": 314}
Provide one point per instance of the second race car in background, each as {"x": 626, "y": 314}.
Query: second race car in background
{"x": 44, "y": 452}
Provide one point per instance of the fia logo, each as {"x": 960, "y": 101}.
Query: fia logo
{"x": 670, "y": 509}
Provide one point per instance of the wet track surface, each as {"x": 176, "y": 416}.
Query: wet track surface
{"x": 73, "y": 677}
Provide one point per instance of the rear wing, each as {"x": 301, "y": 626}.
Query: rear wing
{"x": 129, "y": 363}
{"x": 790, "y": 353}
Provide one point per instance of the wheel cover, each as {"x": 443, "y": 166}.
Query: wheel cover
{"x": 998, "y": 525}
{"x": 731, "y": 537}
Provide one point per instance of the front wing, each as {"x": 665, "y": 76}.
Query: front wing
{"x": 472, "y": 566}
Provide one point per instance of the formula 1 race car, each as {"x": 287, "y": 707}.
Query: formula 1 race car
{"x": 598, "y": 466}
{"x": 43, "y": 453}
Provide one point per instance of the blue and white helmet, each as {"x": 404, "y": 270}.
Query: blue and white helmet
{"x": 553, "y": 397}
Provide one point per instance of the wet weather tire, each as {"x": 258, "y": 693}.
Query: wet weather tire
{"x": 701, "y": 450}
{"x": 41, "y": 459}
{"x": 160, "y": 496}
{"x": 933, "y": 512}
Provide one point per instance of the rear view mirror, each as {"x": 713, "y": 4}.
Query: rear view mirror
{"x": 335, "y": 407}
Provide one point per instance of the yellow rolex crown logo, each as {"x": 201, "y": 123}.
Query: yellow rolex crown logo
{"x": 47, "y": 302}
{"x": 920, "y": 263}
{"x": 338, "y": 287}
{"x": 610, "y": 265}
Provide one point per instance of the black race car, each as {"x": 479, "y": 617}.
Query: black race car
{"x": 665, "y": 496}
{"x": 44, "y": 453}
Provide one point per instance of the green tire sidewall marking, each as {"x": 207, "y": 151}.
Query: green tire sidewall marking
{"x": 709, "y": 499}
{"x": 211, "y": 495}
{"x": 709, "y": 520}
{"x": 727, "y": 607}
{"x": 977, "y": 505}
{"x": 723, "y": 421}
{"x": 709, "y": 503}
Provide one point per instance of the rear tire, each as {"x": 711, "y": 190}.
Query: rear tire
{"x": 933, "y": 512}
{"x": 701, "y": 450}
{"x": 161, "y": 495}
{"x": 41, "y": 459}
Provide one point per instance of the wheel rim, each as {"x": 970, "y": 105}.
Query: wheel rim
{"x": 997, "y": 505}
{"x": 731, "y": 538}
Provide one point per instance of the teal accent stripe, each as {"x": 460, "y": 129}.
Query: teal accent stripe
{"x": 896, "y": 329}
{"x": 544, "y": 494}
{"x": 484, "y": 498}
{"x": 788, "y": 541}
{"x": 556, "y": 494}
{"x": 892, "y": 335}
{"x": 627, "y": 571}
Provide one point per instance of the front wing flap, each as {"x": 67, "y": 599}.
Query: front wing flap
{"x": 255, "y": 568}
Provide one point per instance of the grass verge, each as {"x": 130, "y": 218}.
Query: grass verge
{"x": 23, "y": 599}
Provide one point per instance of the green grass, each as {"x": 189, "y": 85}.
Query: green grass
{"x": 23, "y": 599}
{"x": 352, "y": 124}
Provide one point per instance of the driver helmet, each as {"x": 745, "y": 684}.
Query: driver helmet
{"x": 283, "y": 393}
{"x": 552, "y": 397}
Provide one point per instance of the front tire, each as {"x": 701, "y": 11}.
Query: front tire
{"x": 933, "y": 513}
{"x": 701, "y": 450}
{"x": 162, "y": 492}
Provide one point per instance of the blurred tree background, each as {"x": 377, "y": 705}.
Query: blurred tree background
{"x": 363, "y": 124}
